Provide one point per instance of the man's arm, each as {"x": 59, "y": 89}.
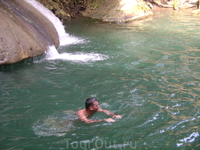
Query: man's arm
{"x": 110, "y": 113}
{"x": 86, "y": 120}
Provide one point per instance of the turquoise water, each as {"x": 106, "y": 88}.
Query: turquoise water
{"x": 147, "y": 71}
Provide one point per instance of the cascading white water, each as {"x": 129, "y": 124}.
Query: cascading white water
{"x": 64, "y": 38}
{"x": 53, "y": 54}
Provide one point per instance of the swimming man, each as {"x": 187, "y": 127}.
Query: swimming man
{"x": 91, "y": 107}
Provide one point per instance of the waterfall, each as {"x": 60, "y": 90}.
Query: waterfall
{"x": 64, "y": 38}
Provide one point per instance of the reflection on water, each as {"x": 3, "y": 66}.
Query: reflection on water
{"x": 147, "y": 71}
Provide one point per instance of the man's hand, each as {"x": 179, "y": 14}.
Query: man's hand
{"x": 109, "y": 120}
{"x": 117, "y": 116}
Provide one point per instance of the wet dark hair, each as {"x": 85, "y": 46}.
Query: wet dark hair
{"x": 89, "y": 102}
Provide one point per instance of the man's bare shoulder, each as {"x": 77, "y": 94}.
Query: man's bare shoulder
{"x": 81, "y": 112}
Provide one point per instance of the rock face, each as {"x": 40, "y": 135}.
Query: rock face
{"x": 65, "y": 9}
{"x": 106, "y": 10}
{"x": 112, "y": 10}
{"x": 24, "y": 32}
{"x": 117, "y": 10}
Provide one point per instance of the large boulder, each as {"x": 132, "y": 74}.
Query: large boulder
{"x": 117, "y": 10}
{"x": 24, "y": 32}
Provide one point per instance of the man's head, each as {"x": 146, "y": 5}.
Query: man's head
{"x": 91, "y": 104}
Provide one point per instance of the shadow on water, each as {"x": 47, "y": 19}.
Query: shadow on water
{"x": 26, "y": 63}
{"x": 12, "y": 67}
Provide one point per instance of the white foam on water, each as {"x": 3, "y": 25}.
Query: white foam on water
{"x": 52, "y": 54}
{"x": 57, "y": 124}
{"x": 64, "y": 38}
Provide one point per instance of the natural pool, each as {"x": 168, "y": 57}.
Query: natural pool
{"x": 146, "y": 70}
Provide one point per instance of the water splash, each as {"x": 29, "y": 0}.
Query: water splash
{"x": 57, "y": 124}
{"x": 64, "y": 38}
{"x": 52, "y": 54}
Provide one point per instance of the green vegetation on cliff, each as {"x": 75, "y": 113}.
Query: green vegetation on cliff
{"x": 65, "y": 9}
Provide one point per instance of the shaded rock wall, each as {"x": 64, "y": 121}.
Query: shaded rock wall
{"x": 65, "y": 9}
{"x": 24, "y": 32}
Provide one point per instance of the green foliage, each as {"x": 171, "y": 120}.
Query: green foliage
{"x": 64, "y": 9}
{"x": 95, "y": 7}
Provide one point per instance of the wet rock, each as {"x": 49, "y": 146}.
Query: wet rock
{"x": 24, "y": 32}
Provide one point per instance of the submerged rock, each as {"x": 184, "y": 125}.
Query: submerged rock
{"x": 24, "y": 32}
{"x": 117, "y": 10}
